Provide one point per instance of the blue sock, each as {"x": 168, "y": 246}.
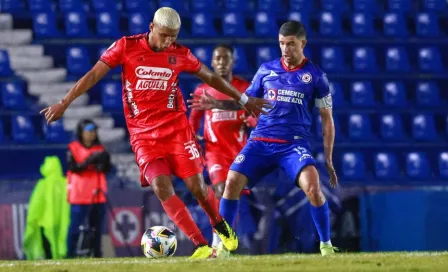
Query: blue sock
{"x": 321, "y": 218}
{"x": 228, "y": 209}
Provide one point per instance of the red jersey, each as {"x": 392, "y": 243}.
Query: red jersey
{"x": 153, "y": 104}
{"x": 224, "y": 131}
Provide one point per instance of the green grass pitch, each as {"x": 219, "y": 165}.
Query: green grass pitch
{"x": 415, "y": 261}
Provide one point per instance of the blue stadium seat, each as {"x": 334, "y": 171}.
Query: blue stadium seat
{"x": 359, "y": 127}
{"x": 364, "y": 60}
{"x": 203, "y": 53}
{"x": 233, "y": 25}
{"x": 330, "y": 24}
{"x": 202, "y": 25}
{"x": 423, "y": 128}
{"x": 300, "y": 5}
{"x": 5, "y": 66}
{"x": 391, "y": 127}
{"x": 236, "y": 5}
{"x": 105, "y": 5}
{"x": 203, "y": 5}
{"x": 138, "y": 23}
{"x": 337, "y": 95}
{"x": 364, "y": 5}
{"x": 353, "y": 166}
{"x": 265, "y": 25}
{"x": 23, "y": 131}
{"x": 111, "y": 94}
{"x": 40, "y": 5}
{"x": 107, "y": 24}
{"x": 427, "y": 25}
{"x": 362, "y": 94}
{"x": 78, "y": 60}
{"x": 13, "y": 6}
{"x": 179, "y": 6}
{"x": 435, "y": 5}
{"x": 394, "y": 25}
{"x": 394, "y": 94}
{"x": 430, "y": 60}
{"x": 266, "y": 53}
{"x": 427, "y": 94}
{"x": 44, "y": 25}
{"x": 386, "y": 166}
{"x": 333, "y": 5}
{"x": 270, "y": 5}
{"x": 399, "y": 5}
{"x": 362, "y": 25}
{"x": 241, "y": 63}
{"x": 13, "y": 96}
{"x": 144, "y": 6}
{"x": 397, "y": 60}
{"x": 54, "y": 132}
{"x": 443, "y": 165}
{"x": 76, "y": 25}
{"x": 303, "y": 17}
{"x": 332, "y": 59}
{"x": 71, "y": 5}
{"x": 417, "y": 166}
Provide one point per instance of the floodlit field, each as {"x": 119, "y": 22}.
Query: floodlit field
{"x": 418, "y": 261}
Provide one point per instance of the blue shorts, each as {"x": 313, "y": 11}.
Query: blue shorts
{"x": 258, "y": 159}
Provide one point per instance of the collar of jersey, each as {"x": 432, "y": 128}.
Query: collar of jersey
{"x": 300, "y": 66}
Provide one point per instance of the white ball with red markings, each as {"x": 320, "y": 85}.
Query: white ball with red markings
{"x": 159, "y": 242}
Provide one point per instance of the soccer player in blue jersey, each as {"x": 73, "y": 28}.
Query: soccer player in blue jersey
{"x": 294, "y": 85}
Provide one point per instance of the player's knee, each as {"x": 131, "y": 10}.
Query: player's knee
{"x": 314, "y": 193}
{"x": 219, "y": 189}
{"x": 234, "y": 185}
{"x": 162, "y": 187}
{"x": 197, "y": 187}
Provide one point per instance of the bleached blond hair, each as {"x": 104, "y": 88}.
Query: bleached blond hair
{"x": 167, "y": 17}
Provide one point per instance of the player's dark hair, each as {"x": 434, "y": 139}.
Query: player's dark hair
{"x": 293, "y": 28}
{"x": 225, "y": 46}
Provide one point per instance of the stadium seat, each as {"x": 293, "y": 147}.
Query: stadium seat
{"x": 266, "y": 53}
{"x": 330, "y": 24}
{"x": 13, "y": 96}
{"x": 417, "y": 166}
{"x": 144, "y": 6}
{"x": 364, "y": 60}
{"x": 241, "y": 63}
{"x": 179, "y": 6}
{"x": 300, "y": 5}
{"x": 386, "y": 166}
{"x": 332, "y": 59}
{"x": 394, "y": 94}
{"x": 76, "y": 25}
{"x": 44, "y": 25}
{"x": 270, "y": 6}
{"x": 427, "y": 25}
{"x": 236, "y": 5}
{"x": 202, "y": 25}
{"x": 303, "y": 17}
{"x": 111, "y": 95}
{"x": 71, "y": 5}
{"x": 423, "y": 128}
{"x": 362, "y": 25}
{"x": 54, "y": 132}
{"x": 430, "y": 60}
{"x": 359, "y": 127}
{"x": 337, "y": 95}
{"x": 5, "y": 66}
{"x": 362, "y": 94}
{"x": 443, "y": 165}
{"x": 107, "y": 24}
{"x": 435, "y": 5}
{"x": 353, "y": 166}
{"x": 265, "y": 25}
{"x": 12, "y": 6}
{"x": 203, "y": 53}
{"x": 394, "y": 25}
{"x": 203, "y": 5}
{"x": 397, "y": 60}
{"x": 105, "y": 5}
{"x": 427, "y": 94}
{"x": 233, "y": 25}
{"x": 40, "y": 5}
{"x": 138, "y": 23}
{"x": 399, "y": 5}
{"x": 337, "y": 6}
{"x": 78, "y": 61}
{"x": 364, "y": 5}
{"x": 391, "y": 127}
{"x": 23, "y": 131}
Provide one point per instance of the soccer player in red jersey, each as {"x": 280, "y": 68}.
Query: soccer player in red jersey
{"x": 161, "y": 137}
{"x": 224, "y": 130}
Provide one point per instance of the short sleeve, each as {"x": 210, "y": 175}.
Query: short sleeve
{"x": 322, "y": 92}
{"x": 191, "y": 64}
{"x": 255, "y": 89}
{"x": 113, "y": 56}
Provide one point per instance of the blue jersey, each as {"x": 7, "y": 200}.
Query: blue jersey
{"x": 293, "y": 93}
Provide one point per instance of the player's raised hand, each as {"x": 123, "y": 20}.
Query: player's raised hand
{"x": 333, "y": 176}
{"x": 203, "y": 101}
{"x": 54, "y": 112}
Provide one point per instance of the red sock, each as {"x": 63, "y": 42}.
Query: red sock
{"x": 180, "y": 215}
{"x": 211, "y": 207}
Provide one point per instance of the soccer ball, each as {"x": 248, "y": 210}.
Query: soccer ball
{"x": 158, "y": 242}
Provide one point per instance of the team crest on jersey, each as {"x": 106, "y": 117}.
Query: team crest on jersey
{"x": 306, "y": 78}
{"x": 240, "y": 158}
{"x": 272, "y": 94}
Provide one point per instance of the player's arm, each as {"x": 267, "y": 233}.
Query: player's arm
{"x": 196, "y": 115}
{"x": 328, "y": 132}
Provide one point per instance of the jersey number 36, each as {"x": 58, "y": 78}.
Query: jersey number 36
{"x": 193, "y": 151}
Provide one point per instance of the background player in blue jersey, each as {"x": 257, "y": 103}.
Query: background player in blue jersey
{"x": 294, "y": 85}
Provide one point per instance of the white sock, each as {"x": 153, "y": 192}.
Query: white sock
{"x": 216, "y": 240}
{"x": 328, "y": 243}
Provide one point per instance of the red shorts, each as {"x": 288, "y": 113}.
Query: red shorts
{"x": 218, "y": 167}
{"x": 178, "y": 154}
